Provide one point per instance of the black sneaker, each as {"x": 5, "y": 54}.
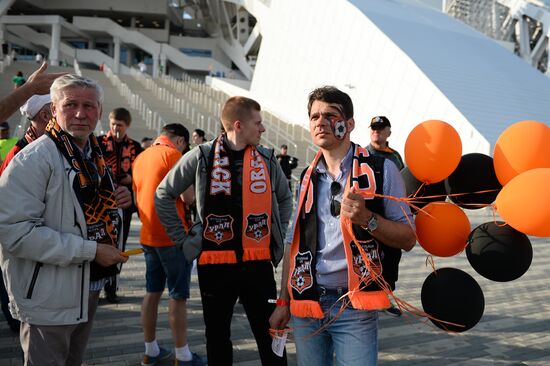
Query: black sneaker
{"x": 112, "y": 297}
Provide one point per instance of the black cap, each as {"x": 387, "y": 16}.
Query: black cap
{"x": 379, "y": 122}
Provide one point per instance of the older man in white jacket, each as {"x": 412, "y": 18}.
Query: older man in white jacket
{"x": 59, "y": 218}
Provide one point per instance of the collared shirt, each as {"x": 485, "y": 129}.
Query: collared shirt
{"x": 331, "y": 266}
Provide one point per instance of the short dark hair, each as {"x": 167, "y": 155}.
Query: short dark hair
{"x": 330, "y": 94}
{"x": 121, "y": 114}
{"x": 176, "y": 129}
{"x": 283, "y": 146}
{"x": 200, "y": 132}
{"x": 237, "y": 108}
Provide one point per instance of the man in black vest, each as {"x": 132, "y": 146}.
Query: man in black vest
{"x": 344, "y": 236}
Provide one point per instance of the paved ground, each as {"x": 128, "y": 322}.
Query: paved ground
{"x": 515, "y": 328}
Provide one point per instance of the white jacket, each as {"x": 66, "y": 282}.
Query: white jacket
{"x": 43, "y": 253}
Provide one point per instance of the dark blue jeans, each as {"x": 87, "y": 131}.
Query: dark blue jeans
{"x": 352, "y": 339}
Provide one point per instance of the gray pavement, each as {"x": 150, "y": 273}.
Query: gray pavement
{"x": 515, "y": 328}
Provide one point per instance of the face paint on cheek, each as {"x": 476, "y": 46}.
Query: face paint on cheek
{"x": 338, "y": 128}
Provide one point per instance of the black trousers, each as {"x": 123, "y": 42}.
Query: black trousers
{"x": 253, "y": 284}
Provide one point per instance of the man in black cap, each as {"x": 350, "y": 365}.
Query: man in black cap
{"x": 380, "y": 131}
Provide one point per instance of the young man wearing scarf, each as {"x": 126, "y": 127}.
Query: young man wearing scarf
{"x": 60, "y": 241}
{"x": 164, "y": 262}
{"x": 346, "y": 243}
{"x": 119, "y": 152}
{"x": 243, "y": 205}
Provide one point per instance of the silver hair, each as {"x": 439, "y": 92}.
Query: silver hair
{"x": 74, "y": 81}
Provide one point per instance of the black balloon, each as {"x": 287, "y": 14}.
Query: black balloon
{"x": 452, "y": 295}
{"x": 498, "y": 252}
{"x": 412, "y": 185}
{"x": 474, "y": 173}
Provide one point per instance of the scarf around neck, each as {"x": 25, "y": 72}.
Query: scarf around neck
{"x": 94, "y": 189}
{"x": 119, "y": 164}
{"x": 362, "y": 255}
{"x": 231, "y": 235}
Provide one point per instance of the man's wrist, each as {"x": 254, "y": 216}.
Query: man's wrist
{"x": 282, "y": 302}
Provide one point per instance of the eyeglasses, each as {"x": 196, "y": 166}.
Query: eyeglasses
{"x": 335, "y": 189}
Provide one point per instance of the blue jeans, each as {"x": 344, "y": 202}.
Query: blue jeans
{"x": 352, "y": 337}
{"x": 167, "y": 265}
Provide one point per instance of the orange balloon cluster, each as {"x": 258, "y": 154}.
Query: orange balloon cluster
{"x": 442, "y": 229}
{"x": 521, "y": 147}
{"x": 524, "y": 203}
{"x": 432, "y": 151}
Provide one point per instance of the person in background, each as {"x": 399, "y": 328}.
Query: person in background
{"x": 287, "y": 163}
{"x": 380, "y": 128}
{"x": 142, "y": 67}
{"x": 164, "y": 262}
{"x": 6, "y": 142}
{"x": 38, "y": 58}
{"x": 244, "y": 205}
{"x": 38, "y": 82}
{"x": 18, "y": 79}
{"x": 380, "y": 131}
{"x": 146, "y": 142}
{"x": 346, "y": 242}
{"x": 60, "y": 227}
{"x": 199, "y": 137}
{"x": 120, "y": 151}
{"x": 38, "y": 112}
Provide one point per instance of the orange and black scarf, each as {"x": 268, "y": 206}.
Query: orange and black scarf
{"x": 231, "y": 235}
{"x": 95, "y": 191}
{"x": 122, "y": 164}
{"x": 361, "y": 249}
{"x": 30, "y": 136}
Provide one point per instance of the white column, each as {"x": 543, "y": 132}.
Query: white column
{"x": 162, "y": 64}
{"x": 54, "y": 48}
{"x": 2, "y": 39}
{"x": 522, "y": 30}
{"x": 129, "y": 55}
{"x": 116, "y": 65}
{"x": 155, "y": 66}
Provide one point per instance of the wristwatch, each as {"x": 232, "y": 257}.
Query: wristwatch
{"x": 372, "y": 224}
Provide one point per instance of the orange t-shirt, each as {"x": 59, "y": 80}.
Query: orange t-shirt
{"x": 149, "y": 170}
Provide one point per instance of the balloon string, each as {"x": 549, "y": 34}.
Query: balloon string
{"x": 430, "y": 261}
{"x": 418, "y": 190}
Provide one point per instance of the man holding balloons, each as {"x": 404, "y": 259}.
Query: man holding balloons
{"x": 345, "y": 248}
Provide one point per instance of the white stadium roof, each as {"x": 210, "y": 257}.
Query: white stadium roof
{"x": 408, "y": 62}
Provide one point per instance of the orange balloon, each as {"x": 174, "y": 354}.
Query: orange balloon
{"x": 442, "y": 229}
{"x": 524, "y": 203}
{"x": 521, "y": 147}
{"x": 432, "y": 151}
